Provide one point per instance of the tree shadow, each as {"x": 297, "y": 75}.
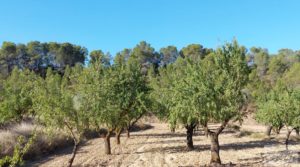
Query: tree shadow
{"x": 252, "y": 144}
{"x": 231, "y": 146}
{"x": 140, "y": 127}
{"x": 174, "y": 149}
{"x": 49, "y": 156}
{"x": 176, "y": 134}
{"x": 162, "y": 142}
{"x": 160, "y": 135}
{"x": 280, "y": 158}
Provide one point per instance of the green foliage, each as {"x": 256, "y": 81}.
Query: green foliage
{"x": 21, "y": 148}
{"x": 54, "y": 102}
{"x": 291, "y": 77}
{"x": 98, "y": 55}
{"x": 225, "y": 75}
{"x": 37, "y": 56}
{"x": 280, "y": 107}
{"x": 161, "y": 93}
{"x": 145, "y": 55}
{"x": 144, "y": 52}
{"x": 122, "y": 57}
{"x": 68, "y": 54}
{"x": 194, "y": 51}
{"x": 261, "y": 60}
{"x": 257, "y": 87}
{"x": 205, "y": 90}
{"x": 183, "y": 93}
{"x": 8, "y": 54}
{"x": 200, "y": 86}
{"x": 15, "y": 98}
{"x": 168, "y": 55}
{"x": 113, "y": 95}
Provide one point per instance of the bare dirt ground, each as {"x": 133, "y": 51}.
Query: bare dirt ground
{"x": 157, "y": 147}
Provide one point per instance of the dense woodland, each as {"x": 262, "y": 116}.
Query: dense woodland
{"x": 62, "y": 86}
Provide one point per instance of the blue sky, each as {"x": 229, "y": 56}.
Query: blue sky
{"x": 112, "y": 25}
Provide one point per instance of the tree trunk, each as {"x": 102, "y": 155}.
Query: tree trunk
{"x": 215, "y": 149}
{"x": 268, "y": 131}
{"x": 118, "y": 134}
{"x": 75, "y": 148}
{"x": 280, "y": 127}
{"x": 128, "y": 132}
{"x": 107, "y": 143}
{"x": 287, "y": 138}
{"x": 189, "y": 137}
{"x": 76, "y": 143}
{"x": 206, "y": 132}
{"x": 277, "y": 130}
{"x": 297, "y": 132}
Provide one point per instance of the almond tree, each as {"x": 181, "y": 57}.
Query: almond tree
{"x": 114, "y": 95}
{"x": 174, "y": 91}
{"x": 15, "y": 96}
{"x": 207, "y": 91}
{"x": 54, "y": 103}
{"x": 15, "y": 104}
{"x": 224, "y": 76}
{"x": 128, "y": 91}
{"x": 281, "y": 107}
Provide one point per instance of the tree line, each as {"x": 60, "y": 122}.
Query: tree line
{"x": 62, "y": 87}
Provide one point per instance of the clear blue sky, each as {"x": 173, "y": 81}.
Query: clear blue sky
{"x": 112, "y": 25}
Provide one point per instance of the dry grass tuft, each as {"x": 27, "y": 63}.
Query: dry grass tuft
{"x": 251, "y": 134}
{"x": 258, "y": 135}
{"x": 233, "y": 127}
{"x": 44, "y": 143}
{"x": 243, "y": 133}
{"x": 8, "y": 140}
{"x": 140, "y": 126}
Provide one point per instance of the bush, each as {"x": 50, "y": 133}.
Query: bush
{"x": 20, "y": 149}
{"x": 44, "y": 143}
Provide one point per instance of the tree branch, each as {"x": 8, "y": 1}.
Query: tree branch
{"x": 222, "y": 127}
{"x": 72, "y": 133}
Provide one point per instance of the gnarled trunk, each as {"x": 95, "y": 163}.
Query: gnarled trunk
{"x": 189, "y": 137}
{"x": 74, "y": 151}
{"x": 215, "y": 149}
{"x": 118, "y": 135}
{"x": 268, "y": 131}
{"x": 214, "y": 139}
{"x": 287, "y": 138}
{"x": 107, "y": 143}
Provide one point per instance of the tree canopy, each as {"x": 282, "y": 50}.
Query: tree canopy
{"x": 64, "y": 87}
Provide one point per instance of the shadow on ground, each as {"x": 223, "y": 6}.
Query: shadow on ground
{"x": 231, "y": 146}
